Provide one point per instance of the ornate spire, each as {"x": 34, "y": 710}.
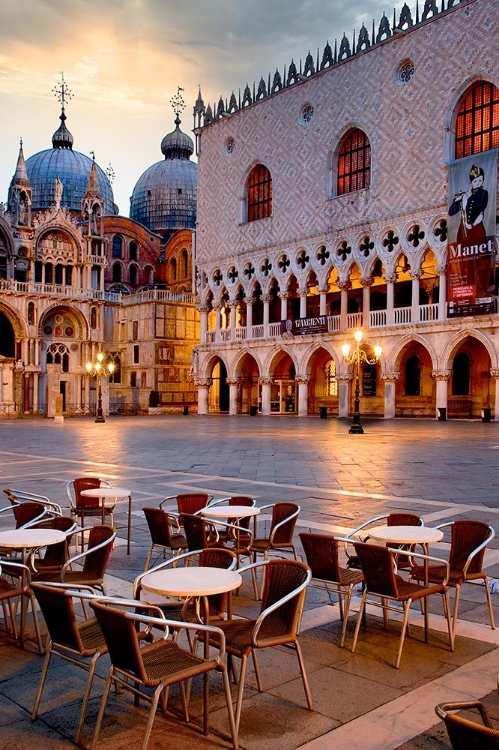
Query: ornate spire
{"x": 93, "y": 181}
{"x": 178, "y": 105}
{"x": 62, "y": 138}
{"x": 20, "y": 175}
{"x": 177, "y": 145}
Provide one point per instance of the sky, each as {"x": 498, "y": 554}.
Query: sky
{"x": 124, "y": 59}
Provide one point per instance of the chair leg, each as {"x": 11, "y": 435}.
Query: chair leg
{"x": 230, "y": 712}
{"x": 105, "y": 695}
{"x": 450, "y": 628}
{"x": 407, "y": 606}
{"x": 304, "y": 677}
{"x": 344, "y": 611}
{"x": 148, "y": 560}
{"x": 240, "y": 691}
{"x": 86, "y": 696}
{"x": 152, "y": 716}
{"x": 258, "y": 674}
{"x": 489, "y": 603}
{"x": 359, "y": 619}
{"x": 43, "y": 675}
{"x": 456, "y": 606}
{"x": 35, "y": 622}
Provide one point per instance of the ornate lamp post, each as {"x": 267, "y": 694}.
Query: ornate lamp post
{"x": 97, "y": 370}
{"x": 354, "y": 358}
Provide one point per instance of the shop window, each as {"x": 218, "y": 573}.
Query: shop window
{"x": 477, "y": 125}
{"x": 330, "y": 381}
{"x": 413, "y": 376}
{"x": 461, "y": 371}
{"x": 259, "y": 192}
{"x": 354, "y": 162}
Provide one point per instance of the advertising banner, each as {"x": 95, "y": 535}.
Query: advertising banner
{"x": 471, "y": 238}
{"x": 302, "y": 326}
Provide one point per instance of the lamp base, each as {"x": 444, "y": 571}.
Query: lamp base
{"x": 100, "y": 419}
{"x": 356, "y": 429}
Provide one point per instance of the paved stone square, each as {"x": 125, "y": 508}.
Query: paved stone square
{"x": 442, "y": 470}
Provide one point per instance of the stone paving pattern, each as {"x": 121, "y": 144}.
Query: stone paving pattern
{"x": 442, "y": 470}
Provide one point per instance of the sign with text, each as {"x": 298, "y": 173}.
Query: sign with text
{"x": 303, "y": 326}
{"x": 472, "y": 242}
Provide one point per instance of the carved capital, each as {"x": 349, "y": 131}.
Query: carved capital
{"x": 266, "y": 298}
{"x": 442, "y": 269}
{"x": 366, "y": 281}
{"x": 390, "y": 375}
{"x": 203, "y": 382}
{"x": 283, "y": 295}
{"x": 344, "y": 285}
{"x": 203, "y": 308}
{"x": 441, "y": 374}
{"x": 232, "y": 381}
{"x": 390, "y": 278}
{"x": 265, "y": 381}
{"x": 494, "y": 372}
{"x": 415, "y": 275}
{"x": 345, "y": 377}
{"x": 304, "y": 379}
{"x": 324, "y": 289}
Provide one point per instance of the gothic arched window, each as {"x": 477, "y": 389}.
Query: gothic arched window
{"x": 259, "y": 193}
{"x": 477, "y": 125}
{"x": 354, "y": 162}
{"x": 117, "y": 246}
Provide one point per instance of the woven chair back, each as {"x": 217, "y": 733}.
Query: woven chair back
{"x": 466, "y": 537}
{"x": 403, "y": 519}
{"x": 192, "y": 503}
{"x": 195, "y": 531}
{"x": 121, "y": 639}
{"x": 280, "y": 512}
{"x": 86, "y": 483}
{"x": 466, "y": 735}
{"x": 321, "y": 552}
{"x": 281, "y": 578}
{"x": 95, "y": 564}
{"x": 159, "y": 528}
{"x": 58, "y": 611}
{"x": 378, "y": 568}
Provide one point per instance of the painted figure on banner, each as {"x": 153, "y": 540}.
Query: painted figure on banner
{"x": 472, "y": 204}
{"x": 472, "y": 243}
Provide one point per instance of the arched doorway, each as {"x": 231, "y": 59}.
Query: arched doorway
{"x": 470, "y": 387}
{"x": 218, "y": 400}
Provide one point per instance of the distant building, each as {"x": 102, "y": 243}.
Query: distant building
{"x": 356, "y": 190}
{"x": 77, "y": 279}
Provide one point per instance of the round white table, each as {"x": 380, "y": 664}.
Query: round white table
{"x": 219, "y": 512}
{"x": 109, "y": 496}
{"x": 27, "y": 540}
{"x": 423, "y": 535}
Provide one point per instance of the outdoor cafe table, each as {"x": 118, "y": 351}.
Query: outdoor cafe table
{"x": 194, "y": 582}
{"x": 27, "y": 540}
{"x": 218, "y": 512}
{"x": 109, "y": 496}
{"x": 407, "y": 535}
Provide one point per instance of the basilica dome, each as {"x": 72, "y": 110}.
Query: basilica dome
{"x": 164, "y": 198}
{"x": 73, "y": 170}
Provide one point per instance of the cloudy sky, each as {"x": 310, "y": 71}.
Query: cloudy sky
{"x": 123, "y": 61}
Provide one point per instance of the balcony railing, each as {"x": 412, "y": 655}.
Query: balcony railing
{"x": 377, "y": 319}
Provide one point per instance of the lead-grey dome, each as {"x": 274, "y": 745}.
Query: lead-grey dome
{"x": 164, "y": 198}
{"x": 73, "y": 170}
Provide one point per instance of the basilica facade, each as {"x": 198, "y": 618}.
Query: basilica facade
{"x": 78, "y": 280}
{"x": 356, "y": 192}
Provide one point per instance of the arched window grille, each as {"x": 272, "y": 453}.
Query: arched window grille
{"x": 330, "y": 381}
{"x": 477, "y": 125}
{"x": 354, "y": 162}
{"x": 259, "y": 191}
{"x": 57, "y": 354}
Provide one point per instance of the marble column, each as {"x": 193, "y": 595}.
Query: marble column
{"x": 415, "y": 276}
{"x": 249, "y": 317}
{"x": 390, "y": 381}
{"x": 303, "y": 381}
{"x": 366, "y": 302}
{"x": 266, "y": 314}
{"x": 441, "y": 377}
{"x": 344, "y": 287}
{"x": 390, "y": 293}
{"x": 323, "y": 290}
{"x": 494, "y": 373}
{"x": 232, "y": 383}
{"x": 442, "y": 292}
{"x": 284, "y": 305}
{"x": 203, "y": 387}
{"x": 266, "y": 383}
{"x": 303, "y": 303}
{"x": 203, "y": 311}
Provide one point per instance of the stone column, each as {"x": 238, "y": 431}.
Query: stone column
{"x": 303, "y": 303}
{"x": 494, "y": 373}
{"x": 232, "y": 383}
{"x": 344, "y": 394}
{"x": 442, "y": 292}
{"x": 344, "y": 287}
{"x": 218, "y": 310}
{"x": 266, "y": 383}
{"x": 441, "y": 377}
{"x": 203, "y": 387}
{"x": 390, "y": 380}
{"x": 249, "y": 317}
{"x": 366, "y": 301}
{"x": 303, "y": 381}
{"x": 415, "y": 276}
{"x": 36, "y": 380}
{"x": 203, "y": 311}
{"x": 266, "y": 314}
{"x": 323, "y": 290}
{"x": 284, "y": 305}
{"x": 390, "y": 289}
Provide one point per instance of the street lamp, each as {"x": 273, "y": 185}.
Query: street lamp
{"x": 97, "y": 370}
{"x": 354, "y": 358}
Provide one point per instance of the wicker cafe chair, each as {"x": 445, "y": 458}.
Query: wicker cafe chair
{"x": 199, "y": 533}
{"x": 93, "y": 560}
{"x": 16, "y": 497}
{"x": 282, "y": 526}
{"x": 186, "y": 610}
{"x": 56, "y": 555}
{"x": 465, "y": 734}
{"x": 17, "y": 585}
{"x": 163, "y": 538}
{"x": 381, "y": 581}
{"x": 322, "y": 555}
{"x": 78, "y": 641}
{"x": 243, "y": 523}
{"x": 390, "y": 519}
{"x": 187, "y": 502}
{"x": 278, "y": 624}
{"x": 83, "y": 507}
{"x": 469, "y": 540}
{"x": 157, "y": 665}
